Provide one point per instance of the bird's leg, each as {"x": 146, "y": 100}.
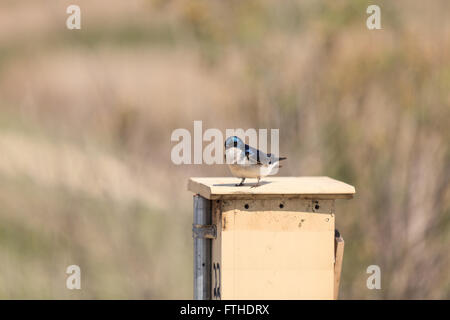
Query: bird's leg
{"x": 257, "y": 183}
{"x": 241, "y": 184}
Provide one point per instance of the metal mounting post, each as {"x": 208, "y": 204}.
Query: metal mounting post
{"x": 203, "y": 232}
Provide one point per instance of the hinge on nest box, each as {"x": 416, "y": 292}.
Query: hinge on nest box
{"x": 204, "y": 231}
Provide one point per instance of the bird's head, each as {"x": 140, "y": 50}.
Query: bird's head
{"x": 234, "y": 142}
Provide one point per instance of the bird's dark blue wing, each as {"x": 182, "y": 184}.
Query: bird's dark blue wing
{"x": 252, "y": 154}
{"x": 256, "y": 156}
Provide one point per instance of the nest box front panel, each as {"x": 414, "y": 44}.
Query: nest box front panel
{"x": 273, "y": 249}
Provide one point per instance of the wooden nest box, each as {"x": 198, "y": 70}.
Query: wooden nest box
{"x": 275, "y": 241}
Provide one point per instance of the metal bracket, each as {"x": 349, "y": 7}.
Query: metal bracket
{"x": 208, "y": 231}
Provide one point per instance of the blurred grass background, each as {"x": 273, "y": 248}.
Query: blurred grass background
{"x": 86, "y": 117}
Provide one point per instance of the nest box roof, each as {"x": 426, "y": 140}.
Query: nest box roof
{"x": 272, "y": 187}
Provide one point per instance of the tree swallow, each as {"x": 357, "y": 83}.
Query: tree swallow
{"x": 247, "y": 162}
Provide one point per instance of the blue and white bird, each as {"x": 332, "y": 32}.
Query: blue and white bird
{"x": 247, "y": 162}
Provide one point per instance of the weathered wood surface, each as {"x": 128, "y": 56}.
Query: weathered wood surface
{"x": 272, "y": 187}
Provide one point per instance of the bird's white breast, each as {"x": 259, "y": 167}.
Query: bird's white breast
{"x": 245, "y": 171}
{"x": 234, "y": 155}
